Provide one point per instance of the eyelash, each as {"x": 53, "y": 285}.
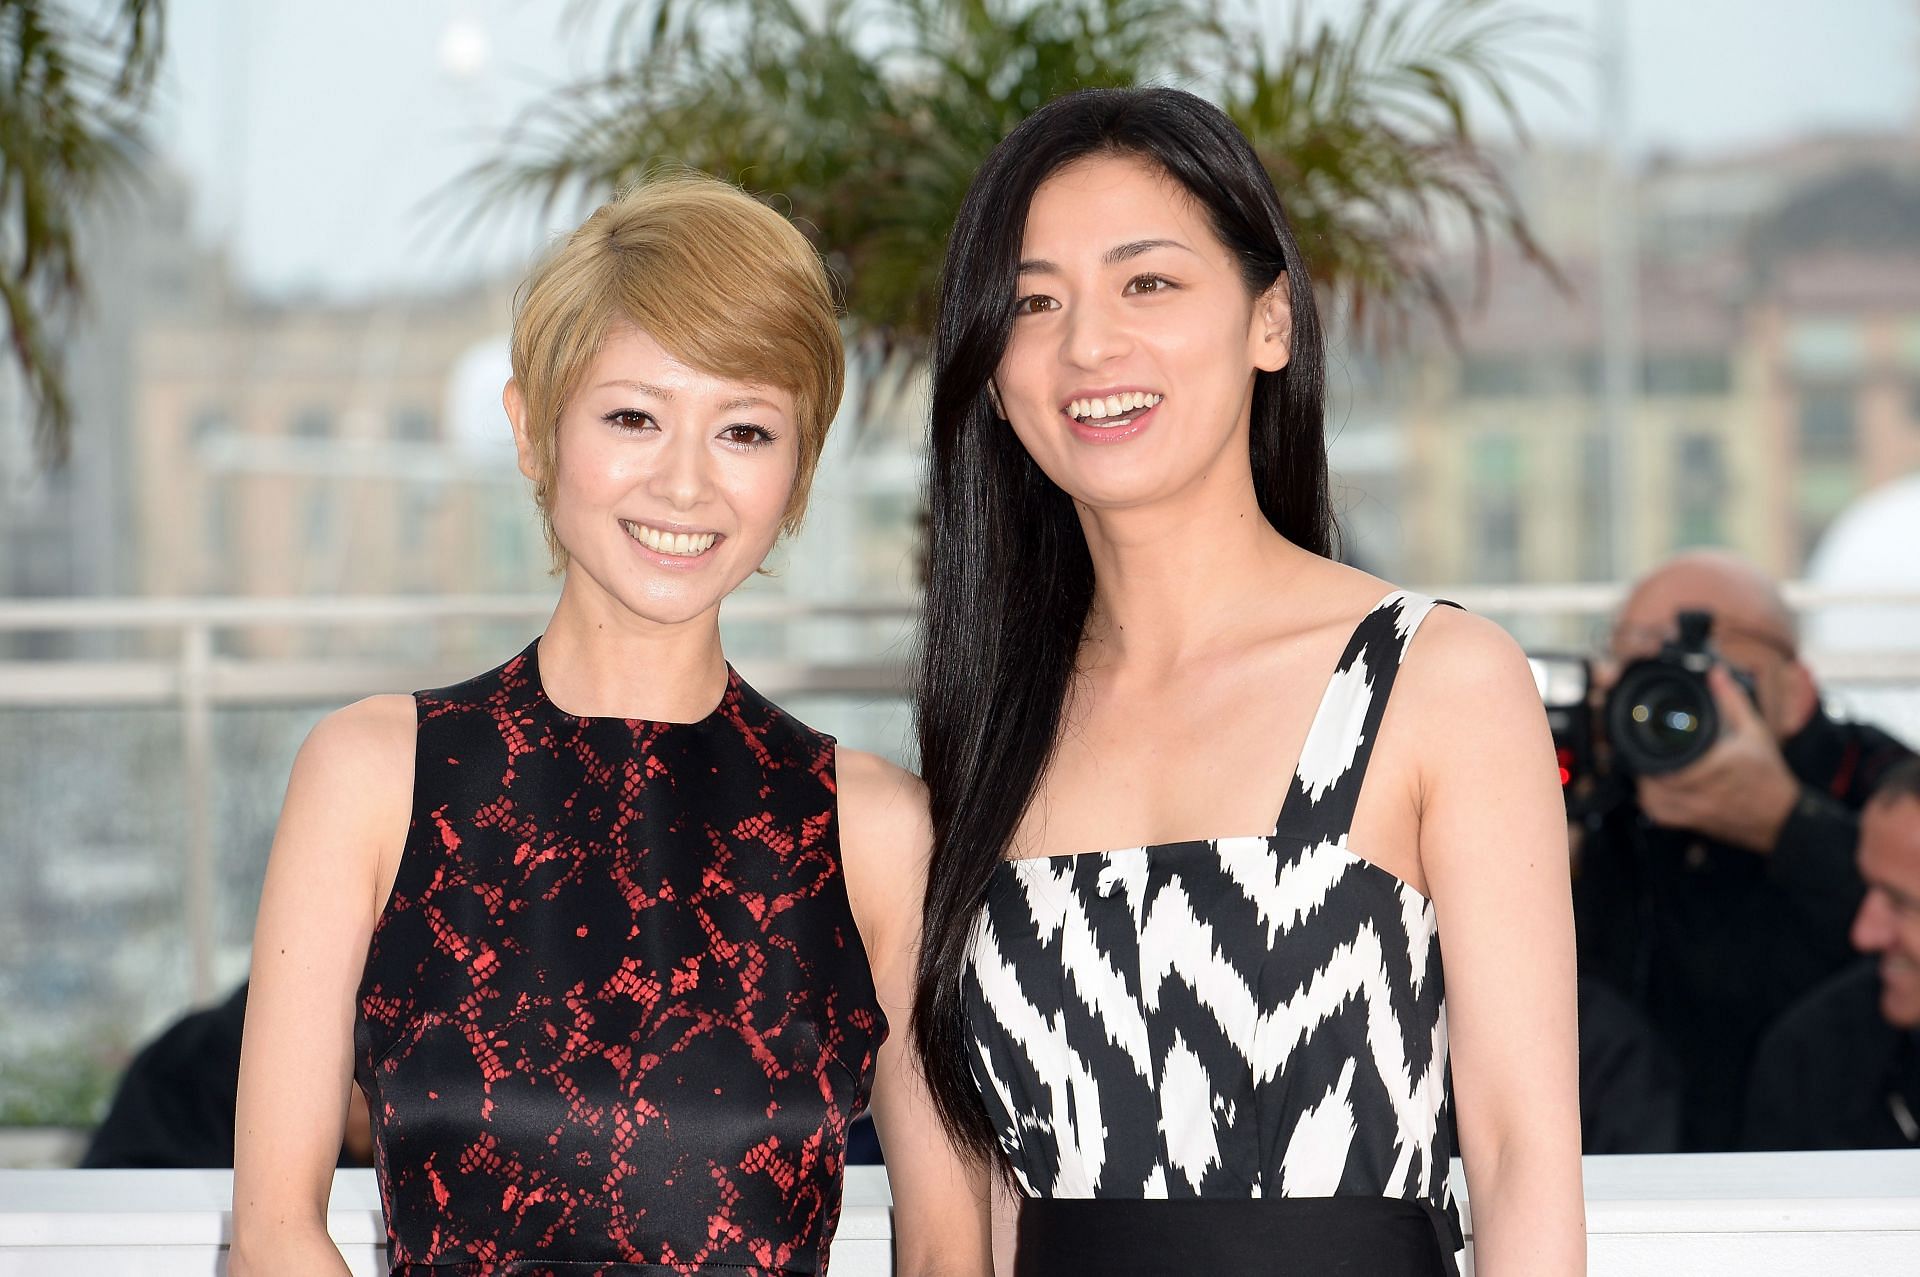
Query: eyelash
{"x": 632, "y": 421}
{"x": 629, "y": 419}
{"x": 1161, "y": 284}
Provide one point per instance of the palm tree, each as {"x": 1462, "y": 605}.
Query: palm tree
{"x": 868, "y": 118}
{"x": 71, "y": 91}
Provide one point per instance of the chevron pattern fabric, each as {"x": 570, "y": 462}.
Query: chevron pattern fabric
{"x": 1233, "y": 1017}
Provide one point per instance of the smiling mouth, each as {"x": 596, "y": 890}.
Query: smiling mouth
{"x": 1113, "y": 410}
{"x": 684, "y": 545}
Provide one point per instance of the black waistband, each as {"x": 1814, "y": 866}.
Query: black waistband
{"x": 1248, "y": 1237}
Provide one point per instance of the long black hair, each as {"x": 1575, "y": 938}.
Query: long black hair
{"x": 1009, "y": 580}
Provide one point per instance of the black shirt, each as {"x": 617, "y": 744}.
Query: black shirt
{"x": 174, "y": 1105}
{"x": 1713, "y": 942}
{"x": 1834, "y": 1074}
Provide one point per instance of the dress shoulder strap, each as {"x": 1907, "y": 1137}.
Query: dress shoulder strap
{"x": 1325, "y": 789}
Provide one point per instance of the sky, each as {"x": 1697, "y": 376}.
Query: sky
{"x": 324, "y": 141}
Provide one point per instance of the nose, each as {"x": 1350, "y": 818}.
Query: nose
{"x": 1093, "y": 335}
{"x": 681, "y": 474}
{"x": 1873, "y": 925}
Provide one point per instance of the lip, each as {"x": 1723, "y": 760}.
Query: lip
{"x": 1086, "y": 432}
{"x": 673, "y": 562}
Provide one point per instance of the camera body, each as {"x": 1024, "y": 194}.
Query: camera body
{"x": 1659, "y": 716}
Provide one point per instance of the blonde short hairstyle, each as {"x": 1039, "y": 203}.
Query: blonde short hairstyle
{"x": 722, "y": 282}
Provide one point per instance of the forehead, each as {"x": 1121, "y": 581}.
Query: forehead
{"x": 1890, "y": 845}
{"x": 1093, "y": 204}
{"x": 630, "y": 359}
{"x": 1656, "y": 601}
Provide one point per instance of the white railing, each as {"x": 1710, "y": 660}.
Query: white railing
{"x": 193, "y": 676}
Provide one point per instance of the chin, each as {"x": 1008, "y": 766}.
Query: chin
{"x": 1900, "y": 1007}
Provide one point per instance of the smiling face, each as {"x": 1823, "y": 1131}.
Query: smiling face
{"x": 1129, "y": 372}
{"x": 669, "y": 483}
{"x": 1889, "y": 919}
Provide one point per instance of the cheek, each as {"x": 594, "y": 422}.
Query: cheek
{"x": 759, "y": 488}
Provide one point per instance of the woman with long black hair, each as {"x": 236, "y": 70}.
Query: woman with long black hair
{"x": 1223, "y": 1046}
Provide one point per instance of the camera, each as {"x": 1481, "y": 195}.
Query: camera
{"x": 1659, "y": 717}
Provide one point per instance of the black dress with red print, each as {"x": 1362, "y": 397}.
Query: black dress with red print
{"x": 616, "y": 1018}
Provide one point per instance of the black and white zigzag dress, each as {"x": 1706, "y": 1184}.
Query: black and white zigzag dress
{"x": 1216, "y": 1023}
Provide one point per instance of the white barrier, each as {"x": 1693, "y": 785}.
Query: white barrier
{"x": 1750, "y": 1214}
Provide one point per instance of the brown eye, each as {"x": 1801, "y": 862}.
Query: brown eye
{"x": 628, "y": 419}
{"x": 1148, "y": 284}
{"x": 747, "y": 433}
{"x": 1034, "y": 304}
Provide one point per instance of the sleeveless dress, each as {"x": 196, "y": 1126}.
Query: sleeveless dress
{"x": 1170, "y": 1038}
{"x": 616, "y": 1018}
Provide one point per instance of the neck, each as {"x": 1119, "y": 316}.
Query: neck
{"x": 1172, "y": 578}
{"x": 599, "y": 659}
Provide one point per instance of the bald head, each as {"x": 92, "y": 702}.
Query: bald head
{"x": 1738, "y": 594}
{"x": 1752, "y": 627}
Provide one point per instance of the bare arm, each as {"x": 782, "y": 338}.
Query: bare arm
{"x": 1493, "y": 848}
{"x": 939, "y": 1196}
{"x": 334, "y": 854}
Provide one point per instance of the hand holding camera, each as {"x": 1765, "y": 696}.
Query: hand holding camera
{"x": 1738, "y": 790}
{"x": 1682, "y": 729}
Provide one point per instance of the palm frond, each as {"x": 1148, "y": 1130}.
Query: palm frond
{"x": 870, "y": 116}
{"x": 70, "y": 100}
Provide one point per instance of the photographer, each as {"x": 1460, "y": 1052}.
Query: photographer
{"x": 1716, "y": 895}
{"x": 1842, "y": 1069}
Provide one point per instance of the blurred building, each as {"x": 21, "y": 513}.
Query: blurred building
{"x": 287, "y": 449}
{"x": 1777, "y": 320}
{"x": 66, "y": 527}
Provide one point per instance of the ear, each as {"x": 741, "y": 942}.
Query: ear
{"x": 1799, "y": 698}
{"x": 516, "y": 405}
{"x": 1270, "y": 338}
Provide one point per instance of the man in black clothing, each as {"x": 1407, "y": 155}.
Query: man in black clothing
{"x": 1842, "y": 1070}
{"x": 1716, "y": 896}
{"x": 174, "y": 1104}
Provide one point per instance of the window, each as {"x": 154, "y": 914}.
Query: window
{"x": 1687, "y": 375}
{"x": 1699, "y": 491}
{"x": 312, "y": 422}
{"x": 1497, "y": 463}
{"x": 1497, "y": 540}
{"x": 1521, "y": 376}
{"x": 414, "y": 424}
{"x": 1826, "y": 423}
{"x": 1825, "y": 347}
{"x": 1594, "y": 493}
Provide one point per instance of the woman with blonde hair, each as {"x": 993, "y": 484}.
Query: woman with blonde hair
{"x": 612, "y": 943}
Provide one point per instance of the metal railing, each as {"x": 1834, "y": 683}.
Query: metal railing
{"x": 196, "y": 677}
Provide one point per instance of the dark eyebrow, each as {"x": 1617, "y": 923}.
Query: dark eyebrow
{"x": 1118, "y": 253}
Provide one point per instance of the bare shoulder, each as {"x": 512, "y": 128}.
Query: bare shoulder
{"x": 368, "y": 737}
{"x": 359, "y": 757}
{"x": 880, "y": 802}
{"x": 1462, "y": 663}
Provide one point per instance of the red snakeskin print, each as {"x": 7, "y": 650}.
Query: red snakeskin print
{"x": 616, "y": 1018}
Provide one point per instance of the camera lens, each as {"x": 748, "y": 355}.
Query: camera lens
{"x": 1660, "y": 717}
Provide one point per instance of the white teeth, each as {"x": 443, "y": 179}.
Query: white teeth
{"x": 1098, "y": 409}
{"x": 683, "y": 544}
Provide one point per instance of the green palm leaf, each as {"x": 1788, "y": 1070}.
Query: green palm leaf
{"x": 868, "y": 117}
{"x": 70, "y": 97}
